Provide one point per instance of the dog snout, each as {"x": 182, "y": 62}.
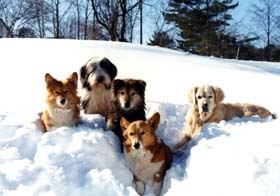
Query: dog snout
{"x": 100, "y": 79}
{"x": 205, "y": 107}
{"x": 136, "y": 145}
{"x": 127, "y": 104}
{"x": 62, "y": 101}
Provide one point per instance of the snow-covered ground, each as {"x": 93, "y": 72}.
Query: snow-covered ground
{"x": 238, "y": 157}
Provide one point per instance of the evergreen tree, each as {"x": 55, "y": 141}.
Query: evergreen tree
{"x": 202, "y": 24}
{"x": 162, "y": 39}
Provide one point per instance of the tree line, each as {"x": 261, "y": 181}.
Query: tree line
{"x": 75, "y": 19}
{"x": 203, "y": 27}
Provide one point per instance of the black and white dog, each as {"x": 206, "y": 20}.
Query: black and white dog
{"x": 96, "y": 77}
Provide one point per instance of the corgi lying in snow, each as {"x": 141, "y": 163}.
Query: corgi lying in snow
{"x": 146, "y": 155}
{"x": 62, "y": 102}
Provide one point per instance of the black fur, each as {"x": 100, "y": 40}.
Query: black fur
{"x": 109, "y": 67}
{"x": 136, "y": 113}
{"x": 86, "y": 70}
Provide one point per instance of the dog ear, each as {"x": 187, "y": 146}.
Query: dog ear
{"x": 117, "y": 83}
{"x": 49, "y": 79}
{"x": 154, "y": 120}
{"x": 219, "y": 94}
{"x": 124, "y": 124}
{"x": 141, "y": 85}
{"x": 73, "y": 78}
{"x": 191, "y": 95}
{"x": 110, "y": 67}
{"x": 83, "y": 73}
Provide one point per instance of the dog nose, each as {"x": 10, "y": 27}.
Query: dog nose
{"x": 127, "y": 104}
{"x": 205, "y": 107}
{"x": 100, "y": 79}
{"x": 136, "y": 145}
{"x": 62, "y": 101}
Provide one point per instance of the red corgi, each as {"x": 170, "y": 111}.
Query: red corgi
{"x": 146, "y": 155}
{"x": 62, "y": 102}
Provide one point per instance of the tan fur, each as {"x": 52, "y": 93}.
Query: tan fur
{"x": 213, "y": 96}
{"x": 56, "y": 113}
{"x": 149, "y": 162}
{"x": 99, "y": 102}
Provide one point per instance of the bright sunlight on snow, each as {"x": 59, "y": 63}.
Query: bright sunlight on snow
{"x": 238, "y": 157}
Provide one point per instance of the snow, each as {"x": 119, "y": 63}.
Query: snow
{"x": 238, "y": 157}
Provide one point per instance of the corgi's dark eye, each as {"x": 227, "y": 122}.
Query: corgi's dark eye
{"x": 57, "y": 92}
{"x": 199, "y": 97}
{"x": 210, "y": 97}
{"x": 131, "y": 134}
{"x": 65, "y": 92}
{"x": 122, "y": 92}
{"x": 142, "y": 133}
{"x": 133, "y": 93}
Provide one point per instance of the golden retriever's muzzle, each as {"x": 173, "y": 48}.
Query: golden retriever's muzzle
{"x": 205, "y": 107}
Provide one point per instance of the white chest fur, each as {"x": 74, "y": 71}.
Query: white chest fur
{"x": 139, "y": 162}
{"x": 61, "y": 117}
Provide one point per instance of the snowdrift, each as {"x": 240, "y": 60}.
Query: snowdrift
{"x": 238, "y": 157}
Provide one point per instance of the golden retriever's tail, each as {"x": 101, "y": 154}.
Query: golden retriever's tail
{"x": 181, "y": 144}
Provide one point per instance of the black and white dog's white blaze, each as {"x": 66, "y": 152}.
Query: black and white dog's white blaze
{"x": 96, "y": 77}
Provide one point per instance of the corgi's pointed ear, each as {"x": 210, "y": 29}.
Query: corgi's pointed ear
{"x": 73, "y": 78}
{"x": 219, "y": 94}
{"x": 154, "y": 120}
{"x": 49, "y": 79}
{"x": 191, "y": 95}
{"x": 124, "y": 124}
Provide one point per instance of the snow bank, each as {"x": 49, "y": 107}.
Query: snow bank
{"x": 238, "y": 157}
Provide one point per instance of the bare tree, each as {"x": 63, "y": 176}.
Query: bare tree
{"x": 266, "y": 16}
{"x": 114, "y": 16}
{"x": 14, "y": 13}
{"x": 59, "y": 10}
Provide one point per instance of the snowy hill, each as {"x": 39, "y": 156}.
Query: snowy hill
{"x": 238, "y": 157}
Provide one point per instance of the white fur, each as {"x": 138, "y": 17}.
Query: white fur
{"x": 207, "y": 96}
{"x": 139, "y": 162}
{"x": 140, "y": 187}
{"x": 92, "y": 79}
{"x": 157, "y": 187}
{"x": 61, "y": 117}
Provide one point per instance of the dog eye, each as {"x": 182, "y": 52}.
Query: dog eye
{"x": 57, "y": 92}
{"x": 199, "y": 97}
{"x": 210, "y": 97}
{"x": 133, "y": 93}
{"x": 131, "y": 133}
{"x": 142, "y": 133}
{"x": 122, "y": 92}
{"x": 65, "y": 92}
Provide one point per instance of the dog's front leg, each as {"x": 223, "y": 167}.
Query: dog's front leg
{"x": 139, "y": 187}
{"x": 157, "y": 186}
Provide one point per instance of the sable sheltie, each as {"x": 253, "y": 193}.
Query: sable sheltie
{"x": 96, "y": 78}
{"x": 146, "y": 155}
{"x": 128, "y": 97}
{"x": 62, "y": 102}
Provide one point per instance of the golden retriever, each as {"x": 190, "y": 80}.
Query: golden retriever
{"x": 207, "y": 107}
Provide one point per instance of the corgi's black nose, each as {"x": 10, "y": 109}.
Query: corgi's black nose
{"x": 100, "y": 79}
{"x": 136, "y": 145}
{"x": 62, "y": 101}
{"x": 205, "y": 107}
